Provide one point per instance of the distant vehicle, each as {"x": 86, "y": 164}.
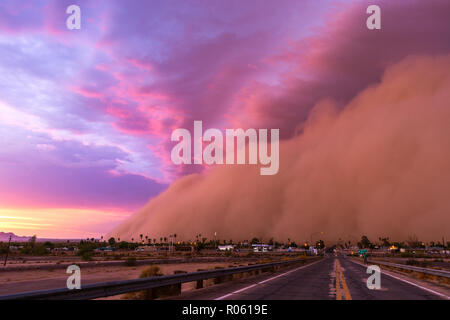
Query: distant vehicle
{"x": 145, "y": 248}
{"x": 61, "y": 249}
{"x": 261, "y": 248}
{"x": 106, "y": 249}
{"x": 226, "y": 247}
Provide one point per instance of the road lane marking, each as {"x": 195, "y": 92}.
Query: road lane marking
{"x": 267, "y": 280}
{"x": 341, "y": 279}
{"x": 344, "y": 283}
{"x": 338, "y": 284}
{"x": 409, "y": 282}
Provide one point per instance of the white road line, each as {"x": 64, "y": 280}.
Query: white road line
{"x": 267, "y": 280}
{"x": 409, "y": 282}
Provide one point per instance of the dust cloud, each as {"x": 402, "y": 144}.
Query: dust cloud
{"x": 379, "y": 167}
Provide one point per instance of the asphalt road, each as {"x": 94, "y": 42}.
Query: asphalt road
{"x": 332, "y": 278}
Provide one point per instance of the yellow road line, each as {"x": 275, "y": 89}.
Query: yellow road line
{"x": 344, "y": 283}
{"x": 338, "y": 285}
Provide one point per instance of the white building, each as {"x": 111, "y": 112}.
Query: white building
{"x": 226, "y": 247}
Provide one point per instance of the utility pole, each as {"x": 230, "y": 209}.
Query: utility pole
{"x": 215, "y": 240}
{"x": 7, "y": 251}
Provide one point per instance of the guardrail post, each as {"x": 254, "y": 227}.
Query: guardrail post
{"x": 199, "y": 283}
{"x": 165, "y": 291}
{"x": 218, "y": 280}
{"x": 176, "y": 288}
{"x": 221, "y": 279}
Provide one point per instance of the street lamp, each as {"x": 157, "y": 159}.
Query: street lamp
{"x": 312, "y": 234}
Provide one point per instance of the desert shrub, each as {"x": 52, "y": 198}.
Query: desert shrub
{"x": 40, "y": 250}
{"x": 152, "y": 271}
{"x": 406, "y": 255}
{"x": 3, "y": 248}
{"x": 412, "y": 262}
{"x": 86, "y": 255}
{"x": 85, "y": 251}
{"x": 131, "y": 261}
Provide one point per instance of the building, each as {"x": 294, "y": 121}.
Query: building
{"x": 261, "y": 247}
{"x": 226, "y": 247}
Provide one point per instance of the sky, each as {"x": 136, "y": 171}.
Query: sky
{"x": 86, "y": 115}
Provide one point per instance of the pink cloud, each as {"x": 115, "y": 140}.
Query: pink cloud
{"x": 340, "y": 59}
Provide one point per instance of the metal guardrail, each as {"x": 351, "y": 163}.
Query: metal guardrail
{"x": 105, "y": 289}
{"x": 434, "y": 272}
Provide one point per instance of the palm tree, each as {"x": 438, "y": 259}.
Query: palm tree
{"x": 141, "y": 235}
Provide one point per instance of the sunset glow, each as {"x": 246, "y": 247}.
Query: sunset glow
{"x": 86, "y": 114}
{"x": 60, "y": 222}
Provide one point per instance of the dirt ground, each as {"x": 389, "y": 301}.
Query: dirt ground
{"x": 33, "y": 280}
